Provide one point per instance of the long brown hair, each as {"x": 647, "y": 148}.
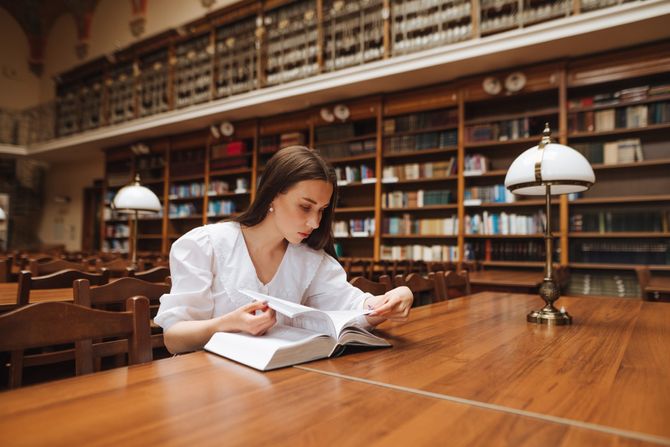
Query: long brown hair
{"x": 287, "y": 167}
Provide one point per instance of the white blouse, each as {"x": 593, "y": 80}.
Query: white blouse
{"x": 210, "y": 264}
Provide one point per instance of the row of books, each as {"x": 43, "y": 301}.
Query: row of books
{"x": 613, "y": 221}
{"x": 428, "y": 253}
{"x": 345, "y": 130}
{"x": 420, "y": 142}
{"x": 223, "y": 187}
{"x": 115, "y": 245}
{"x": 623, "y": 251}
{"x": 500, "y": 250}
{"x": 415, "y": 171}
{"x": 407, "y": 225}
{"x": 613, "y": 152}
{"x": 413, "y": 199}
{"x": 337, "y": 150}
{"x": 476, "y": 195}
{"x": 353, "y": 174}
{"x": 631, "y": 117}
{"x": 117, "y": 230}
{"x": 186, "y": 190}
{"x": 272, "y": 143}
{"x": 220, "y": 207}
{"x": 506, "y": 130}
{"x": 418, "y": 121}
{"x": 637, "y": 93}
{"x": 150, "y": 162}
{"x": 504, "y": 223}
{"x": 182, "y": 210}
{"x": 620, "y": 284}
{"x": 354, "y": 227}
{"x": 235, "y": 147}
{"x": 475, "y": 164}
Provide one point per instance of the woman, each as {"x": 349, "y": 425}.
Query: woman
{"x": 282, "y": 245}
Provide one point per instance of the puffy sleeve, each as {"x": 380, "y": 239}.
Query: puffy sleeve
{"x": 191, "y": 264}
{"x": 330, "y": 290}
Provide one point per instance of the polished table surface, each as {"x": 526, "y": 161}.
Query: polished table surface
{"x": 611, "y": 367}
{"x": 518, "y": 278}
{"x": 469, "y": 371}
{"x": 9, "y": 291}
{"x": 201, "y": 399}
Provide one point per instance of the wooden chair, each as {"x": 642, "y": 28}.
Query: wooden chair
{"x": 456, "y": 284}
{"x": 373, "y": 287}
{"x": 6, "y": 269}
{"x": 44, "y": 268}
{"x": 425, "y": 290}
{"x": 58, "y": 280}
{"x": 117, "y": 268}
{"x": 114, "y": 293}
{"x": 156, "y": 274}
{"x": 46, "y": 324}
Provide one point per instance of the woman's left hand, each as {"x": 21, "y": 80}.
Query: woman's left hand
{"x": 394, "y": 305}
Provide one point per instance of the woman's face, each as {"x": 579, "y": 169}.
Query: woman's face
{"x": 298, "y": 211}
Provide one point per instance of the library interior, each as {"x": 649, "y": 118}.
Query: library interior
{"x": 507, "y": 161}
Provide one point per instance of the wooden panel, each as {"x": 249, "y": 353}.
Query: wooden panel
{"x": 435, "y": 97}
{"x": 232, "y": 13}
{"x": 538, "y": 78}
{"x": 244, "y": 129}
{"x": 610, "y": 367}
{"x": 618, "y": 65}
{"x": 201, "y": 399}
{"x": 190, "y": 140}
{"x": 118, "y": 153}
{"x": 285, "y": 123}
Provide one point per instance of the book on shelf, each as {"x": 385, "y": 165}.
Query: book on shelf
{"x": 312, "y": 334}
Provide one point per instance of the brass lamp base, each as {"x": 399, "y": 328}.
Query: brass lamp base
{"x": 549, "y": 314}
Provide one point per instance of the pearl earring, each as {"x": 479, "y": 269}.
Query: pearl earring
{"x": 271, "y": 209}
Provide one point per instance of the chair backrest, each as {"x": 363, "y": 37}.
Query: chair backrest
{"x": 58, "y": 280}
{"x": 156, "y": 274}
{"x": 425, "y": 290}
{"x": 6, "y": 269}
{"x": 457, "y": 284}
{"x": 46, "y": 324}
{"x": 116, "y": 292}
{"x": 373, "y": 287}
{"x": 44, "y": 268}
{"x": 117, "y": 267}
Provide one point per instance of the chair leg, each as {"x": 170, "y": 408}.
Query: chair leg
{"x": 16, "y": 369}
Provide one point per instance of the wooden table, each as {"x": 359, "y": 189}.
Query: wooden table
{"x": 464, "y": 372}
{"x": 520, "y": 281}
{"x": 9, "y": 291}
{"x": 660, "y": 284}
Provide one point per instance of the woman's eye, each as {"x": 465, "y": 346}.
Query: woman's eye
{"x": 304, "y": 208}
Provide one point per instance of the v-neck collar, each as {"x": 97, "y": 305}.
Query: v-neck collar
{"x": 251, "y": 264}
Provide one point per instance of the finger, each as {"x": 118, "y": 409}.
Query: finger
{"x": 254, "y": 306}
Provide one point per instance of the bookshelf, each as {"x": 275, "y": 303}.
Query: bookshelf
{"x": 115, "y": 227}
{"x": 192, "y": 65}
{"x": 346, "y": 135}
{"x": 150, "y": 161}
{"x": 236, "y": 59}
{"x": 408, "y": 162}
{"x": 619, "y": 121}
{"x": 230, "y": 165}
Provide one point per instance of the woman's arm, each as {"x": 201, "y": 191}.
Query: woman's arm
{"x": 186, "y": 336}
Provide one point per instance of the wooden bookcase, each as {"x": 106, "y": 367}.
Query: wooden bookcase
{"x": 470, "y": 130}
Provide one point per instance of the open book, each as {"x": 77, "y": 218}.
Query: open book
{"x": 312, "y": 334}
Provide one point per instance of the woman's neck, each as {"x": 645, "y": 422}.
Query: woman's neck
{"x": 263, "y": 237}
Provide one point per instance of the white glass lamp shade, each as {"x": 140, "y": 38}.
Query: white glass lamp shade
{"x": 3, "y": 216}
{"x": 562, "y": 167}
{"x": 136, "y": 197}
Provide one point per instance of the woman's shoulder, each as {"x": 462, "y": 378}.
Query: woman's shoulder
{"x": 216, "y": 234}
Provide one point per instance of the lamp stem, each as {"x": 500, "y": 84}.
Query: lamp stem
{"x": 133, "y": 261}
{"x": 548, "y": 240}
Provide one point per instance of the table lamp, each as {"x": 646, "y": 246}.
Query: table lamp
{"x": 136, "y": 199}
{"x": 546, "y": 169}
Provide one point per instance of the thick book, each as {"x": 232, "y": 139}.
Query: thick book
{"x": 312, "y": 334}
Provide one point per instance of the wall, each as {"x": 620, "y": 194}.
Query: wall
{"x": 62, "y": 222}
{"x": 19, "y": 87}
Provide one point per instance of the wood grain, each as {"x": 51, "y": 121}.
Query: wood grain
{"x": 611, "y": 367}
{"x": 9, "y": 291}
{"x": 201, "y": 399}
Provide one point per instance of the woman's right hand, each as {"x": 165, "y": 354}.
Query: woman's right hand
{"x": 245, "y": 319}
